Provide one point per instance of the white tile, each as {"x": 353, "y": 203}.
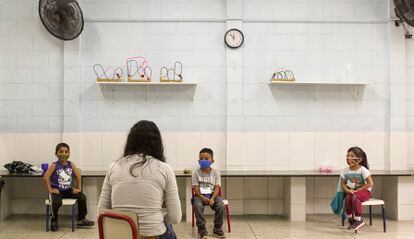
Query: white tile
{"x": 30, "y": 152}
{"x": 91, "y": 149}
{"x": 398, "y": 150}
{"x": 112, "y": 147}
{"x": 327, "y": 150}
{"x": 275, "y": 206}
{"x": 170, "y": 147}
{"x": 405, "y": 212}
{"x": 235, "y": 188}
{"x": 25, "y": 206}
{"x": 7, "y": 147}
{"x": 255, "y": 187}
{"x": 277, "y": 149}
{"x": 253, "y": 149}
{"x": 91, "y": 189}
{"x": 236, "y": 206}
{"x": 297, "y": 213}
{"x": 217, "y": 142}
{"x": 375, "y": 146}
{"x": 302, "y": 150}
{"x": 24, "y": 185}
{"x": 188, "y": 147}
{"x": 234, "y": 154}
{"x": 325, "y": 187}
{"x": 255, "y": 206}
{"x": 297, "y": 190}
{"x": 275, "y": 187}
{"x": 322, "y": 205}
{"x": 405, "y": 190}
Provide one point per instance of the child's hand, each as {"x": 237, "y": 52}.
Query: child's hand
{"x": 76, "y": 191}
{"x": 54, "y": 191}
{"x": 211, "y": 202}
{"x": 205, "y": 200}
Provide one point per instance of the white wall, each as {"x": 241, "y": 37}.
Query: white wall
{"x": 48, "y": 92}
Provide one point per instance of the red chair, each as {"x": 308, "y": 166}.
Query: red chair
{"x": 226, "y": 204}
{"x": 116, "y": 224}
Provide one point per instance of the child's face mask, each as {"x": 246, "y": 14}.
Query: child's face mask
{"x": 204, "y": 163}
{"x": 62, "y": 156}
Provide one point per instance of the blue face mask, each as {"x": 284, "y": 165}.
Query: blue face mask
{"x": 204, "y": 163}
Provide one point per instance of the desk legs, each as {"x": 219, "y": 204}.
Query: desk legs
{"x": 294, "y": 199}
{"x": 188, "y": 194}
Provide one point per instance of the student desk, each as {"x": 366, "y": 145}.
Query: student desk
{"x": 398, "y": 188}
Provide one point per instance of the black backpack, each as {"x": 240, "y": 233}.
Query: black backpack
{"x": 19, "y": 167}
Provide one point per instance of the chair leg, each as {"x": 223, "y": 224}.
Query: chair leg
{"x": 47, "y": 215}
{"x": 73, "y": 218}
{"x": 228, "y": 218}
{"x": 370, "y": 215}
{"x": 384, "y": 218}
{"x": 192, "y": 216}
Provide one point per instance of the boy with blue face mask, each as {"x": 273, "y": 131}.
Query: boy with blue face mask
{"x": 206, "y": 182}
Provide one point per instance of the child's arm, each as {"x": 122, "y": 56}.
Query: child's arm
{"x": 78, "y": 179}
{"x": 344, "y": 187}
{"x": 46, "y": 179}
{"x": 370, "y": 183}
{"x": 215, "y": 194}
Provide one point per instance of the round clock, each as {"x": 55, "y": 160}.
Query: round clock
{"x": 234, "y": 38}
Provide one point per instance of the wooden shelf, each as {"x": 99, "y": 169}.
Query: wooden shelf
{"x": 358, "y": 86}
{"x": 149, "y": 83}
{"x": 294, "y": 83}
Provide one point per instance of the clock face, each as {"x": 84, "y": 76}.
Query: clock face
{"x": 234, "y": 38}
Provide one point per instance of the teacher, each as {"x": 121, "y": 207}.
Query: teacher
{"x": 142, "y": 182}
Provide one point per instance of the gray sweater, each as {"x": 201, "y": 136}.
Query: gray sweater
{"x": 145, "y": 194}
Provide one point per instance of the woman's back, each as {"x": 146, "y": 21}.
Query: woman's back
{"x": 154, "y": 183}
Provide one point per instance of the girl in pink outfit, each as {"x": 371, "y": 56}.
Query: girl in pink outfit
{"x": 356, "y": 182}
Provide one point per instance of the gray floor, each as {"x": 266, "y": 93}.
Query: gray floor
{"x": 316, "y": 226}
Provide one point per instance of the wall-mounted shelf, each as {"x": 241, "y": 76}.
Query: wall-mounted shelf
{"x": 358, "y": 86}
{"x": 150, "y": 84}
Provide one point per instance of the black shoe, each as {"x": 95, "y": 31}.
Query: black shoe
{"x": 85, "y": 223}
{"x": 351, "y": 222}
{"x": 357, "y": 225}
{"x": 203, "y": 234}
{"x": 219, "y": 233}
{"x": 54, "y": 226}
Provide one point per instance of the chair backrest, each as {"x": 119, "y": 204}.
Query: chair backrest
{"x": 115, "y": 224}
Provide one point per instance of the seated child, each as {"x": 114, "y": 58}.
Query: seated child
{"x": 356, "y": 182}
{"x": 206, "y": 182}
{"x": 58, "y": 180}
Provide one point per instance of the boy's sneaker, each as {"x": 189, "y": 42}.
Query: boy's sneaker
{"x": 357, "y": 225}
{"x": 85, "y": 223}
{"x": 203, "y": 234}
{"x": 351, "y": 222}
{"x": 219, "y": 233}
{"x": 54, "y": 226}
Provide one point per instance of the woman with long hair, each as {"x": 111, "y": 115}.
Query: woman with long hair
{"x": 142, "y": 182}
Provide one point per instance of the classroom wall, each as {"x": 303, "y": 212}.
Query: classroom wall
{"x": 48, "y": 92}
